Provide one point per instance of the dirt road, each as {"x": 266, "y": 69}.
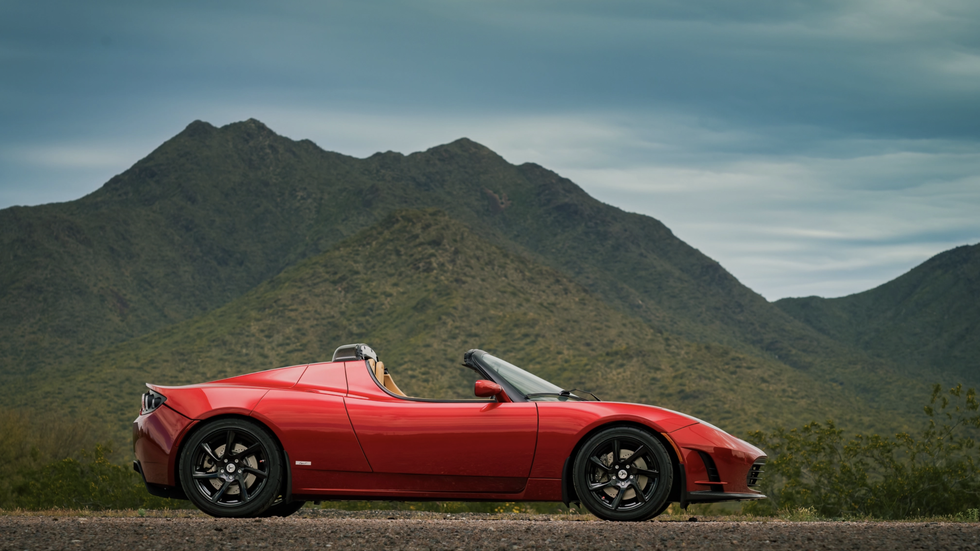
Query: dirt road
{"x": 468, "y": 532}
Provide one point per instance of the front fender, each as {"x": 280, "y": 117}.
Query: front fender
{"x": 562, "y": 425}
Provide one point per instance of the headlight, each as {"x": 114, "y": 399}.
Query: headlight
{"x": 151, "y": 401}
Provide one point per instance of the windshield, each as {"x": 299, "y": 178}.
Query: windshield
{"x": 523, "y": 381}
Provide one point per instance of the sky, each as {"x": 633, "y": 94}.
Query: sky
{"x": 812, "y": 148}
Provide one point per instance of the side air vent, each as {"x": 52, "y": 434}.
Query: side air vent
{"x": 755, "y": 473}
{"x": 709, "y": 465}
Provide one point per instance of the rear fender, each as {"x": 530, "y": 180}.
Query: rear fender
{"x": 205, "y": 402}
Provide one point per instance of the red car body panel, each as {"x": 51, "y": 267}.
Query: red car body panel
{"x": 732, "y": 457}
{"x": 347, "y": 437}
{"x": 155, "y": 439}
{"x": 209, "y": 400}
{"x": 470, "y": 439}
{"x": 314, "y": 429}
{"x": 565, "y": 424}
{"x": 329, "y": 377}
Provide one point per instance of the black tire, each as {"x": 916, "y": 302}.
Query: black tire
{"x": 659, "y": 511}
{"x": 633, "y": 488}
{"x": 231, "y": 468}
{"x": 280, "y": 509}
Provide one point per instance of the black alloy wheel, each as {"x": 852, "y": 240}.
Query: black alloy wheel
{"x": 623, "y": 473}
{"x": 231, "y": 468}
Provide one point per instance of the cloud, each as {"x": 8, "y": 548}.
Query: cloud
{"x": 811, "y": 147}
{"x": 809, "y": 225}
{"x": 73, "y": 156}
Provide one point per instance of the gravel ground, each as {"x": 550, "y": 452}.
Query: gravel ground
{"x": 374, "y": 530}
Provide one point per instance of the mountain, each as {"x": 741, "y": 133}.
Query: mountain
{"x": 927, "y": 318}
{"x": 423, "y": 288}
{"x": 214, "y": 213}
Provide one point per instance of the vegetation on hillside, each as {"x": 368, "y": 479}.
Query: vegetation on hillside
{"x": 934, "y": 472}
{"x": 213, "y": 213}
{"x": 926, "y": 319}
{"x": 422, "y": 289}
{"x": 50, "y": 461}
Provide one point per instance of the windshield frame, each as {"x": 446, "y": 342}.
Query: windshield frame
{"x": 518, "y": 383}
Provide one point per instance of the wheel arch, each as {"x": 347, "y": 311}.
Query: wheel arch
{"x": 568, "y": 487}
{"x": 203, "y": 423}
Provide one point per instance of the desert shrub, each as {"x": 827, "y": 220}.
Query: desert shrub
{"x": 936, "y": 472}
{"x": 87, "y": 481}
{"x": 49, "y": 461}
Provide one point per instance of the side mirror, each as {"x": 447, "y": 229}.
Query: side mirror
{"x": 487, "y": 389}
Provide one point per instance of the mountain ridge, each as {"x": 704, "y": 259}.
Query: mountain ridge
{"x": 431, "y": 290}
{"x": 925, "y": 317}
{"x": 214, "y": 212}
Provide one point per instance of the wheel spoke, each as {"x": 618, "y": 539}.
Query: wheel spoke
{"x": 256, "y": 472}
{"x": 229, "y": 445}
{"x": 616, "y": 452}
{"x": 619, "y": 499}
{"x": 200, "y": 475}
{"x": 598, "y": 462}
{"x": 249, "y": 450}
{"x": 242, "y": 487}
{"x": 647, "y": 472}
{"x": 207, "y": 449}
{"x": 642, "y": 450}
{"x": 639, "y": 493}
{"x": 224, "y": 488}
{"x": 611, "y": 483}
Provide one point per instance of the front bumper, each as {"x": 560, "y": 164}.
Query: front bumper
{"x": 717, "y": 466}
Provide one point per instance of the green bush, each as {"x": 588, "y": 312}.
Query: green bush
{"x": 89, "y": 481}
{"x": 49, "y": 461}
{"x": 936, "y": 472}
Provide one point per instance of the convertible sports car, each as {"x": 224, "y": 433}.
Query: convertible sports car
{"x": 262, "y": 444}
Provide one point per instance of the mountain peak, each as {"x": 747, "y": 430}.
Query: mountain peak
{"x": 250, "y": 129}
{"x": 463, "y": 148}
{"x": 198, "y": 128}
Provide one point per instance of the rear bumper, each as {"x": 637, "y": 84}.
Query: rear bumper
{"x": 159, "y": 490}
{"x": 156, "y": 437}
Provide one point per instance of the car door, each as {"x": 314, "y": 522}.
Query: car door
{"x": 470, "y": 446}
{"x": 442, "y": 446}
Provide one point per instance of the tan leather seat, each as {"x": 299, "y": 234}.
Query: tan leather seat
{"x": 384, "y": 378}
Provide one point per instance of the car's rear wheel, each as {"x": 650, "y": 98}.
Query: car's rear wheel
{"x": 623, "y": 473}
{"x": 231, "y": 468}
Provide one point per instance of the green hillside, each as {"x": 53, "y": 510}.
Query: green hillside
{"x": 211, "y": 215}
{"x": 213, "y": 212}
{"x": 422, "y": 289}
{"x": 925, "y": 319}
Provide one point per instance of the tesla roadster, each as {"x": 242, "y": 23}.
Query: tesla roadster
{"x": 262, "y": 444}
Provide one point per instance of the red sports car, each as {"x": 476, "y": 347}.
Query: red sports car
{"x": 264, "y": 443}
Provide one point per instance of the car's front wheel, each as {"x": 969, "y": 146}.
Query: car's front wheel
{"x": 623, "y": 473}
{"x": 231, "y": 468}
